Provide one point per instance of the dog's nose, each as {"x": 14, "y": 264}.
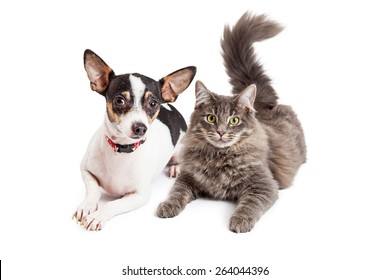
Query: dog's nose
{"x": 139, "y": 129}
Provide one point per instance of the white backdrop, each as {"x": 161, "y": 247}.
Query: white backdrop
{"x": 331, "y": 63}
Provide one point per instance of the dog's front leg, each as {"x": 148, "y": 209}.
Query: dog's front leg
{"x": 93, "y": 193}
{"x": 129, "y": 202}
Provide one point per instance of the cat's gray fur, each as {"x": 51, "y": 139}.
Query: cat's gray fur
{"x": 246, "y": 163}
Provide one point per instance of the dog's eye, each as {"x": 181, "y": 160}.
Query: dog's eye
{"x": 119, "y": 101}
{"x": 152, "y": 103}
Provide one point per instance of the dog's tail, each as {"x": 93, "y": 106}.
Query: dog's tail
{"x": 240, "y": 60}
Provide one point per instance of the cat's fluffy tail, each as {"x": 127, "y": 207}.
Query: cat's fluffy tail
{"x": 241, "y": 63}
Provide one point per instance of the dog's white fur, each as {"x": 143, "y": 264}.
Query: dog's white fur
{"x": 124, "y": 176}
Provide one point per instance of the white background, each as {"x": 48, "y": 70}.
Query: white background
{"x": 331, "y": 63}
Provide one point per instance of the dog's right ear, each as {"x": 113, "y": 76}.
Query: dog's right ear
{"x": 98, "y": 71}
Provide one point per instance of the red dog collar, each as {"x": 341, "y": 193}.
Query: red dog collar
{"x": 124, "y": 148}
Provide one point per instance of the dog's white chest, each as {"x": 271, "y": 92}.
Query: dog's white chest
{"x": 119, "y": 174}
{"x": 123, "y": 173}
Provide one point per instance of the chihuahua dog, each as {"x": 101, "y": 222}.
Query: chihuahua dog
{"x": 135, "y": 142}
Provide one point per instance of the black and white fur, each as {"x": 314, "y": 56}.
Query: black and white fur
{"x": 135, "y": 111}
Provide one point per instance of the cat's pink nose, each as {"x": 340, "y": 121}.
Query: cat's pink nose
{"x": 221, "y": 133}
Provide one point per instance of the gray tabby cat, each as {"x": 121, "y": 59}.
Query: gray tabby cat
{"x": 243, "y": 147}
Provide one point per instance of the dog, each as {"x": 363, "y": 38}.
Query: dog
{"x": 137, "y": 139}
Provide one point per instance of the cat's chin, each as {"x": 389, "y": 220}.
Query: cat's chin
{"x": 221, "y": 144}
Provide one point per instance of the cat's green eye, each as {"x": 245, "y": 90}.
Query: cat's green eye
{"x": 234, "y": 120}
{"x": 211, "y": 118}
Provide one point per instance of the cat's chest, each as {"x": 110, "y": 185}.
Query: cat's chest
{"x": 221, "y": 176}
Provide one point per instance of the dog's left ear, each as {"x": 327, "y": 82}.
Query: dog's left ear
{"x": 176, "y": 82}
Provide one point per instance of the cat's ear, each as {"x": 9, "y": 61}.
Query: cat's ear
{"x": 98, "y": 71}
{"x": 176, "y": 82}
{"x": 247, "y": 97}
{"x": 202, "y": 94}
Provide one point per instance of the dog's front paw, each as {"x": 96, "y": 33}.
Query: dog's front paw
{"x": 95, "y": 221}
{"x": 86, "y": 208}
{"x": 168, "y": 209}
{"x": 241, "y": 223}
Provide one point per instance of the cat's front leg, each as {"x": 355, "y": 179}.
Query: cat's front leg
{"x": 258, "y": 197}
{"x": 182, "y": 193}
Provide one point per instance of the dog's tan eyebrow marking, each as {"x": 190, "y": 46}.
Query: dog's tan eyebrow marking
{"x": 127, "y": 95}
{"x": 148, "y": 94}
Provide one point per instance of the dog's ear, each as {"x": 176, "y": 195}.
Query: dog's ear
{"x": 176, "y": 82}
{"x": 98, "y": 71}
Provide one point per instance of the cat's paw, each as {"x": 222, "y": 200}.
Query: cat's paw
{"x": 168, "y": 209}
{"x": 241, "y": 223}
